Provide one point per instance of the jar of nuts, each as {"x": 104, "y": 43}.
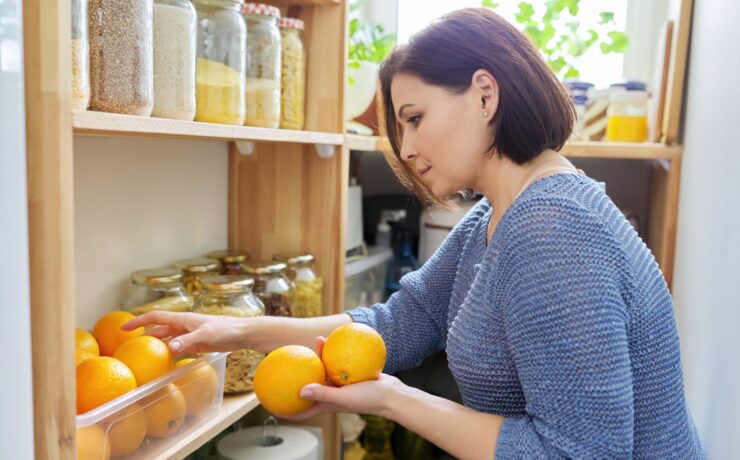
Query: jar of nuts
{"x": 121, "y": 69}
{"x": 263, "y": 65}
{"x": 80, "y": 57}
{"x": 293, "y": 75}
{"x": 194, "y": 270}
{"x": 230, "y": 260}
{"x": 308, "y": 286}
{"x": 272, "y": 286}
{"x": 232, "y": 296}
{"x": 156, "y": 289}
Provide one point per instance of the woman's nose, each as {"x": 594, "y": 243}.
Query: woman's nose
{"x": 408, "y": 150}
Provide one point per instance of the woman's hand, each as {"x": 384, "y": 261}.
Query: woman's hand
{"x": 191, "y": 332}
{"x": 370, "y": 397}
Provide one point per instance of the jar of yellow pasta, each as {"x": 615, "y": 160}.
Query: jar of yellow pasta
{"x": 156, "y": 289}
{"x": 194, "y": 270}
{"x": 220, "y": 67}
{"x": 308, "y": 286}
{"x": 293, "y": 74}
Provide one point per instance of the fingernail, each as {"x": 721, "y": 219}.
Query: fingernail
{"x": 175, "y": 345}
{"x": 307, "y": 394}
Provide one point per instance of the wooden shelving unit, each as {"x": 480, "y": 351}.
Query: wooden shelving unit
{"x": 232, "y": 409}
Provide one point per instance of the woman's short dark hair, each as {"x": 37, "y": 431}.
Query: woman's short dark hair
{"x": 534, "y": 111}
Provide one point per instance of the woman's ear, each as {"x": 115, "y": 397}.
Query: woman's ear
{"x": 485, "y": 88}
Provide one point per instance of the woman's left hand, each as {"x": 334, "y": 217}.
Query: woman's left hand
{"x": 371, "y": 397}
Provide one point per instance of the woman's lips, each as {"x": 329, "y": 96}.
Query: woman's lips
{"x": 422, "y": 172}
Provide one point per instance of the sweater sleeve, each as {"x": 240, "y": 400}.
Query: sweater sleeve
{"x": 413, "y": 322}
{"x": 566, "y": 325}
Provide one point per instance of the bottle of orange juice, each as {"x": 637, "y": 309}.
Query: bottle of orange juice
{"x": 627, "y": 119}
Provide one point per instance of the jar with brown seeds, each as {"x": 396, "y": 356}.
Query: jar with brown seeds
{"x": 121, "y": 71}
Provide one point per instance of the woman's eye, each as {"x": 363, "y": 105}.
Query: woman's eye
{"x": 414, "y": 121}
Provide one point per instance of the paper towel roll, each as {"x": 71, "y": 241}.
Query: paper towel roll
{"x": 298, "y": 444}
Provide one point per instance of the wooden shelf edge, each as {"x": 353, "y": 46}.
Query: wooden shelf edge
{"x": 575, "y": 149}
{"x": 110, "y": 124}
{"x": 232, "y": 409}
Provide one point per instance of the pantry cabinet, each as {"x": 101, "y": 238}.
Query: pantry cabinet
{"x": 286, "y": 191}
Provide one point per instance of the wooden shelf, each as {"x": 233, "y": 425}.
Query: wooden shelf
{"x": 575, "y": 149}
{"x": 232, "y": 409}
{"x": 110, "y": 124}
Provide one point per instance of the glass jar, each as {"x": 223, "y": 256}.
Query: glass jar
{"x": 80, "y": 56}
{"x": 174, "y": 59}
{"x": 230, "y": 261}
{"x": 221, "y": 63}
{"x": 272, "y": 286}
{"x": 194, "y": 270}
{"x": 263, "y": 65}
{"x": 627, "y": 116}
{"x": 293, "y": 75}
{"x": 308, "y": 286}
{"x": 579, "y": 95}
{"x": 156, "y": 289}
{"x": 121, "y": 77}
{"x": 232, "y": 296}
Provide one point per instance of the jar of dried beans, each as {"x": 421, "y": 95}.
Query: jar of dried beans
{"x": 272, "y": 286}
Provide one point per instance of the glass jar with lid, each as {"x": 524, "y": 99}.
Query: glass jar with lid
{"x": 308, "y": 286}
{"x": 232, "y": 296}
{"x": 121, "y": 75}
{"x": 174, "y": 59}
{"x": 230, "y": 261}
{"x": 293, "y": 74}
{"x": 156, "y": 289}
{"x": 627, "y": 119}
{"x": 272, "y": 286}
{"x": 194, "y": 270}
{"x": 263, "y": 65}
{"x": 80, "y": 57}
{"x": 221, "y": 62}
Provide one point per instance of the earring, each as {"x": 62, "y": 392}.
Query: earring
{"x": 485, "y": 114}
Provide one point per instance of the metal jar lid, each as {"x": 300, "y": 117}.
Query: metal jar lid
{"x": 263, "y": 267}
{"x": 201, "y": 265}
{"x": 294, "y": 258}
{"x": 229, "y": 257}
{"x": 227, "y": 283}
{"x": 156, "y": 276}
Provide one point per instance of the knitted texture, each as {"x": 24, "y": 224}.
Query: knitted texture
{"x": 563, "y": 324}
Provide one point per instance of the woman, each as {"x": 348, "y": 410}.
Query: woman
{"x": 557, "y": 322}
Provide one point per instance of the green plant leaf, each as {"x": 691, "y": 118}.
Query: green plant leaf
{"x": 572, "y": 72}
{"x": 490, "y": 4}
{"x": 606, "y": 17}
{"x": 526, "y": 11}
{"x": 618, "y": 42}
{"x": 351, "y": 80}
{"x": 353, "y": 64}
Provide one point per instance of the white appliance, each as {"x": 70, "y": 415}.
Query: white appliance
{"x": 436, "y": 224}
{"x": 354, "y": 216}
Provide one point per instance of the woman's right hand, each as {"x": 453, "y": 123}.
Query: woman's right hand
{"x": 192, "y": 332}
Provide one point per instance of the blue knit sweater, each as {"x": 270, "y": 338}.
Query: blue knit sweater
{"x": 562, "y": 324}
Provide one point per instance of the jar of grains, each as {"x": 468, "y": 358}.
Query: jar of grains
{"x": 194, "y": 270}
{"x": 80, "y": 56}
{"x": 174, "y": 59}
{"x": 230, "y": 260}
{"x": 308, "y": 286}
{"x": 221, "y": 64}
{"x": 263, "y": 65}
{"x": 272, "y": 286}
{"x": 232, "y": 296}
{"x": 121, "y": 78}
{"x": 293, "y": 74}
{"x": 156, "y": 289}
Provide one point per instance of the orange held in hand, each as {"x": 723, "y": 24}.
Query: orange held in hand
{"x": 101, "y": 379}
{"x": 108, "y": 332}
{"x": 146, "y": 356}
{"x": 353, "y": 353}
{"x": 281, "y": 375}
{"x": 199, "y": 386}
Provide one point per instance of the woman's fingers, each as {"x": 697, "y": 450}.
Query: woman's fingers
{"x": 320, "y": 341}
{"x": 154, "y": 317}
{"x": 190, "y": 341}
{"x": 160, "y": 332}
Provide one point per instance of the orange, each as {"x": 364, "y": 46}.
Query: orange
{"x": 199, "y": 386}
{"x": 126, "y": 430}
{"x": 281, "y": 375}
{"x": 92, "y": 444}
{"x": 101, "y": 379}
{"x": 146, "y": 356}
{"x": 85, "y": 341}
{"x": 165, "y": 411}
{"x": 81, "y": 355}
{"x": 108, "y": 333}
{"x": 353, "y": 353}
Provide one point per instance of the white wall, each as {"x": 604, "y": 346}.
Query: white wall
{"x": 708, "y": 253}
{"x": 16, "y": 399}
{"x": 142, "y": 203}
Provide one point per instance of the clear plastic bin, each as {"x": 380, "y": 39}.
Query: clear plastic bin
{"x": 365, "y": 279}
{"x": 118, "y": 426}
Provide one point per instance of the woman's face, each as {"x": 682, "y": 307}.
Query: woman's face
{"x": 445, "y": 135}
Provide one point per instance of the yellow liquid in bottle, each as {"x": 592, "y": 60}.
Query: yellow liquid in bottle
{"x": 620, "y": 128}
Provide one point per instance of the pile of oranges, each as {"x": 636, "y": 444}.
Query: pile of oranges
{"x": 111, "y": 362}
{"x": 352, "y": 353}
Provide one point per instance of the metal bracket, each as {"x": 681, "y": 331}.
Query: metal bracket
{"x": 245, "y": 147}
{"x": 325, "y": 150}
